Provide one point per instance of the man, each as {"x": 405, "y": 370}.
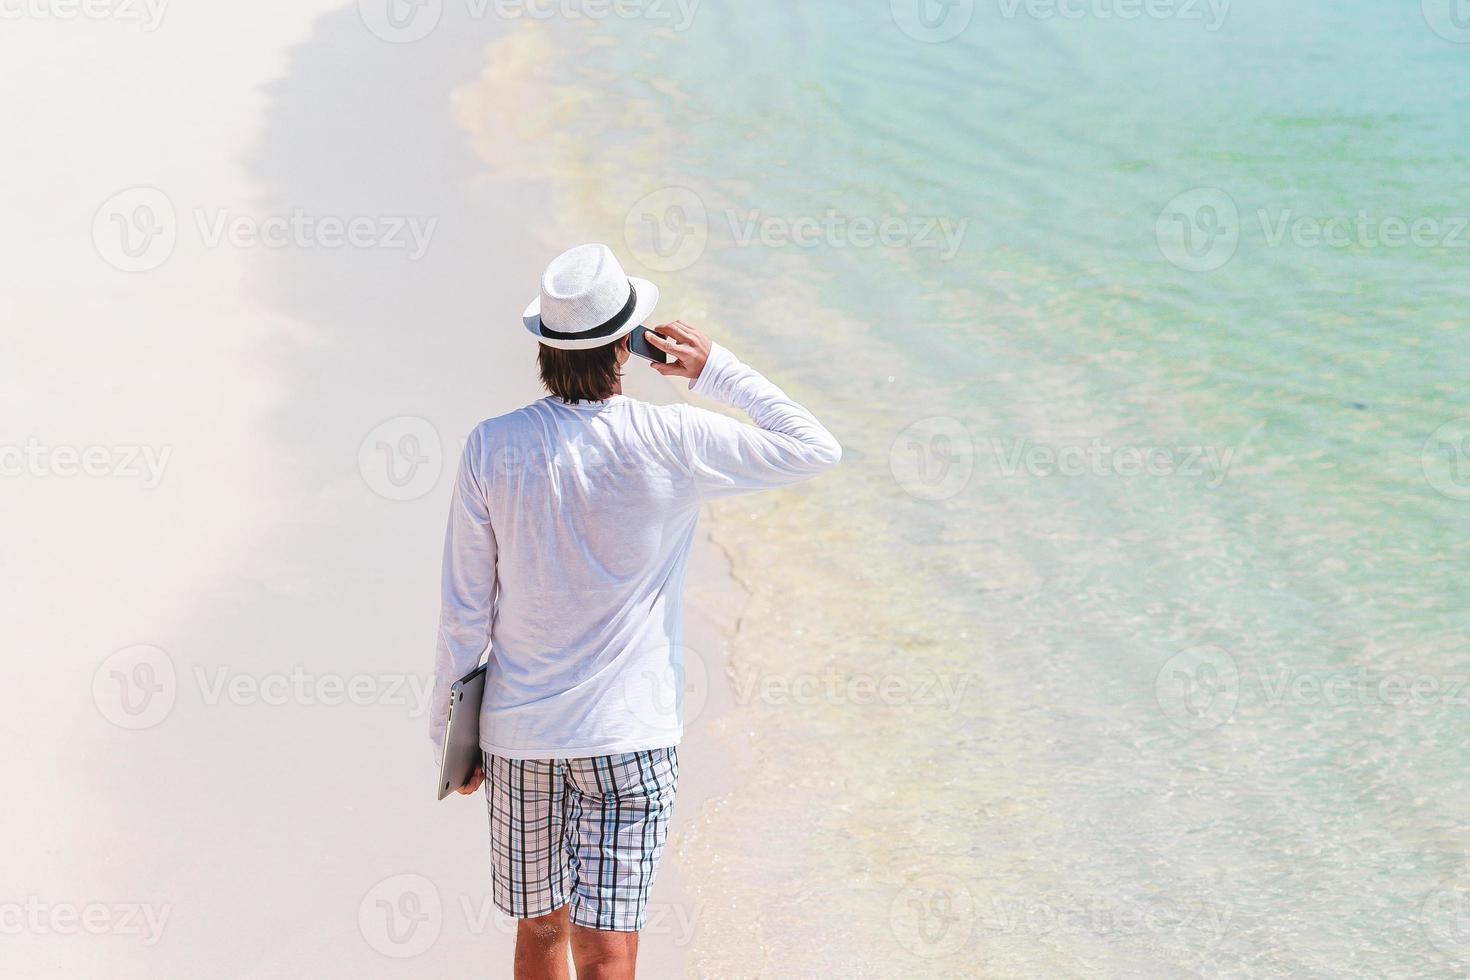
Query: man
{"x": 569, "y": 533}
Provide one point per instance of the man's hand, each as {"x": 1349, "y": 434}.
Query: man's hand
{"x": 687, "y": 347}
{"x": 473, "y": 784}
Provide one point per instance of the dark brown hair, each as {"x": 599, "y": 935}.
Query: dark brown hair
{"x": 579, "y": 375}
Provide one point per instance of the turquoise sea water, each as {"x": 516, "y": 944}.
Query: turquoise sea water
{"x": 1154, "y": 514}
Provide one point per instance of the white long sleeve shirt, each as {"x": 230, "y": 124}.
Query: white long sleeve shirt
{"x": 569, "y": 533}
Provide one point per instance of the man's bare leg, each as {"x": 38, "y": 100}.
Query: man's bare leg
{"x": 541, "y": 947}
{"x": 604, "y": 955}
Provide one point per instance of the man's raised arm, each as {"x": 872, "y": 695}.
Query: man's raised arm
{"x": 787, "y": 444}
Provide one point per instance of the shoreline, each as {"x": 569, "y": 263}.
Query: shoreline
{"x": 713, "y": 601}
{"x": 521, "y": 149}
{"x": 729, "y": 813}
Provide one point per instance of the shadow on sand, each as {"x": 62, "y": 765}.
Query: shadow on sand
{"x": 309, "y": 844}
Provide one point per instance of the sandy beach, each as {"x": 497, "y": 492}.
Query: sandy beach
{"x": 221, "y": 630}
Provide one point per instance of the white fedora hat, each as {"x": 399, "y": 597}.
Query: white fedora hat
{"x": 587, "y": 300}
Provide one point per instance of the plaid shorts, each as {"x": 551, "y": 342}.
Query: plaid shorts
{"x": 585, "y": 831}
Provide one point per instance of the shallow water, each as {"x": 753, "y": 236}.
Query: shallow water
{"x": 1131, "y": 634}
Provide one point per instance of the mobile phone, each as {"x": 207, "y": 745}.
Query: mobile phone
{"x": 638, "y": 344}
